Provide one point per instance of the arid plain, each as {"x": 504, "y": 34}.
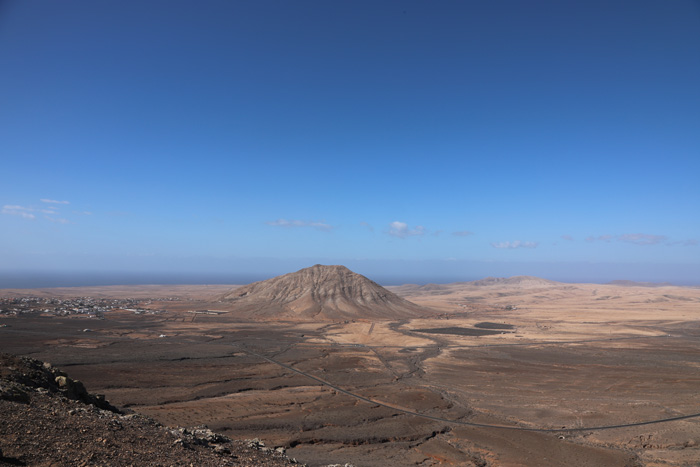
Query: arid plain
{"x": 497, "y": 372}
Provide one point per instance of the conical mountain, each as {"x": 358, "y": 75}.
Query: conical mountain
{"x": 327, "y": 292}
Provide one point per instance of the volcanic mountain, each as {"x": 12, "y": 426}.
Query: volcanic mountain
{"x": 326, "y": 292}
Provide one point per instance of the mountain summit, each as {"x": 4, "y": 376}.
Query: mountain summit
{"x": 329, "y": 292}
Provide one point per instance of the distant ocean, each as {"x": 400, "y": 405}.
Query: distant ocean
{"x": 38, "y": 280}
{"x": 47, "y": 279}
{"x": 34, "y": 280}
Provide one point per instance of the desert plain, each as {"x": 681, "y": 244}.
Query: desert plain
{"x": 498, "y": 372}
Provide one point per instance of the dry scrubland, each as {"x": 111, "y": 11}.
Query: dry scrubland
{"x": 523, "y": 353}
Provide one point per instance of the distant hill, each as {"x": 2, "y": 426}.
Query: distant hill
{"x": 517, "y": 281}
{"x": 625, "y": 283}
{"x": 522, "y": 282}
{"x": 325, "y": 292}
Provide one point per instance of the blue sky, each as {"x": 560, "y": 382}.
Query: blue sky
{"x": 418, "y": 140}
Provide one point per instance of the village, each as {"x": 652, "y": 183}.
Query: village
{"x": 91, "y": 307}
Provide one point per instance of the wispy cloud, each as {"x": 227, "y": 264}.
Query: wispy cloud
{"x": 21, "y": 211}
{"x": 30, "y": 212}
{"x": 367, "y": 225}
{"x": 13, "y": 208}
{"x": 634, "y": 238}
{"x": 600, "y": 238}
{"x": 642, "y": 239}
{"x": 401, "y": 230}
{"x": 689, "y": 242}
{"x": 462, "y": 233}
{"x": 297, "y": 223}
{"x": 515, "y": 244}
{"x": 53, "y": 201}
{"x": 568, "y": 238}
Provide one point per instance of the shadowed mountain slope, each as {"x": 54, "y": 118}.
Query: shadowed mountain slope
{"x": 327, "y": 292}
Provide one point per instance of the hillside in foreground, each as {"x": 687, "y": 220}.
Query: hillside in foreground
{"x": 50, "y": 419}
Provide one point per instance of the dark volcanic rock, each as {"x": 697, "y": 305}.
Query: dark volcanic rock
{"x": 20, "y": 375}
{"x": 329, "y": 292}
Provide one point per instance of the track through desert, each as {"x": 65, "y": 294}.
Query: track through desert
{"x": 461, "y": 422}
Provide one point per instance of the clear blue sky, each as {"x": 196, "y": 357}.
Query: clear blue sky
{"x": 428, "y": 140}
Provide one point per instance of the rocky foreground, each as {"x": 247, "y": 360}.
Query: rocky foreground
{"x": 49, "y": 419}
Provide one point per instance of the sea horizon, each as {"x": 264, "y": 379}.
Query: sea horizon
{"x": 55, "y": 279}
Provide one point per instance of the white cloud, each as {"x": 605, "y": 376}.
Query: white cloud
{"x": 515, "y": 244}
{"x": 600, "y": 238}
{"x": 689, "y": 242}
{"x": 365, "y": 224}
{"x": 401, "y": 230}
{"x": 567, "y": 237}
{"x": 462, "y": 233}
{"x": 297, "y": 223}
{"x": 635, "y": 238}
{"x": 642, "y": 239}
{"x": 27, "y": 212}
{"x": 53, "y": 201}
{"x": 25, "y": 209}
{"x": 20, "y": 211}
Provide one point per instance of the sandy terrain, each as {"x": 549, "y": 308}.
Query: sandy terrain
{"x": 561, "y": 363}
